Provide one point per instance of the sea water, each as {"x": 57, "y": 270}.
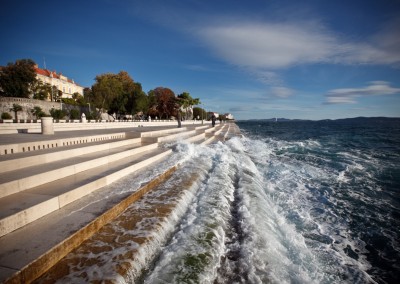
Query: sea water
{"x": 291, "y": 202}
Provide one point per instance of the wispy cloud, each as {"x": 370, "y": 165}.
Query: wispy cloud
{"x": 349, "y": 95}
{"x": 274, "y": 46}
{"x": 241, "y": 108}
{"x": 194, "y": 67}
{"x": 281, "y": 92}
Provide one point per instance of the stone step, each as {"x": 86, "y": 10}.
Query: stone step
{"x": 55, "y": 184}
{"x": 163, "y": 132}
{"x": 59, "y": 164}
{"x": 13, "y": 148}
{"x": 62, "y": 207}
{"x": 165, "y": 136}
{"x": 34, "y": 158}
{"x": 49, "y": 142}
{"x": 21, "y": 208}
{"x": 28, "y": 252}
{"x": 26, "y": 178}
{"x": 168, "y": 138}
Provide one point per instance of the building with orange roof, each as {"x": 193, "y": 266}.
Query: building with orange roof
{"x": 64, "y": 84}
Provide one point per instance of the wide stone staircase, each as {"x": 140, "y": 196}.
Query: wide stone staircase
{"x": 45, "y": 190}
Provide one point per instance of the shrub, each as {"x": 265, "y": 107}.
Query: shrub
{"x": 74, "y": 114}
{"x": 6, "y": 115}
{"x": 38, "y": 112}
{"x": 58, "y": 113}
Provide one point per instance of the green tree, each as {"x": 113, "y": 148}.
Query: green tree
{"x": 117, "y": 105}
{"x": 16, "y": 79}
{"x": 140, "y": 103}
{"x": 38, "y": 112}
{"x": 41, "y": 91}
{"x": 16, "y": 108}
{"x": 75, "y": 96}
{"x": 106, "y": 89}
{"x": 199, "y": 113}
{"x": 88, "y": 96}
{"x": 187, "y": 102}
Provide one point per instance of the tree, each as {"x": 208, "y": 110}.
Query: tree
{"x": 41, "y": 91}
{"x": 166, "y": 103}
{"x": 128, "y": 85}
{"x": 140, "y": 102}
{"x": 16, "y": 108}
{"x": 117, "y": 105}
{"x": 55, "y": 93}
{"x": 199, "y": 113}
{"x": 106, "y": 89}
{"x": 38, "y": 112}
{"x": 75, "y": 96}
{"x": 16, "y": 79}
{"x": 187, "y": 102}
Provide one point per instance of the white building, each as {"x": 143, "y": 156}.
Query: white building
{"x": 211, "y": 113}
{"x": 229, "y": 116}
{"x": 65, "y": 85}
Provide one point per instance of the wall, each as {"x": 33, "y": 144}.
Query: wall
{"x": 27, "y": 104}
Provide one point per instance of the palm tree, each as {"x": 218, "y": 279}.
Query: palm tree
{"x": 16, "y": 108}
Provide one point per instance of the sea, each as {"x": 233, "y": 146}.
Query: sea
{"x": 287, "y": 202}
{"x": 292, "y": 202}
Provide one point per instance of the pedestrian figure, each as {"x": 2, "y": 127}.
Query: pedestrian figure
{"x": 213, "y": 119}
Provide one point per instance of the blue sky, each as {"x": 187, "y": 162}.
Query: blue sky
{"x": 310, "y": 59}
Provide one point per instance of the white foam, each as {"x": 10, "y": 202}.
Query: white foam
{"x": 293, "y": 188}
{"x": 291, "y": 216}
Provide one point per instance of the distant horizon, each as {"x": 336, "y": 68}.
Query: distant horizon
{"x": 291, "y": 119}
{"x": 311, "y": 59}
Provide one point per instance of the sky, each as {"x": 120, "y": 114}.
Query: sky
{"x": 255, "y": 59}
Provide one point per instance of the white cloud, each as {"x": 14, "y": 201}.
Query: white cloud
{"x": 349, "y": 95}
{"x": 273, "y": 46}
